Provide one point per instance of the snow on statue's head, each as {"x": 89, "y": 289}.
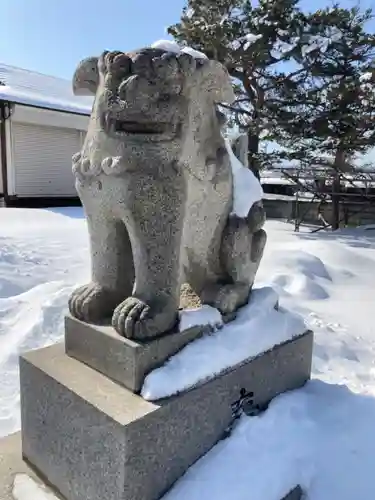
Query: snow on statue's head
{"x": 151, "y": 96}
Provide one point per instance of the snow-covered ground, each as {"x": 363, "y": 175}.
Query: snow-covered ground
{"x": 321, "y": 436}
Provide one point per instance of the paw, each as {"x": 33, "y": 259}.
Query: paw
{"x": 227, "y": 298}
{"x": 135, "y": 319}
{"x": 93, "y": 303}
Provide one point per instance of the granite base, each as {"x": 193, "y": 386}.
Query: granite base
{"x": 93, "y": 439}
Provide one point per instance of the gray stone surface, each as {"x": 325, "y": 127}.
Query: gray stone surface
{"x": 156, "y": 184}
{"x": 124, "y": 360}
{"x": 94, "y": 439}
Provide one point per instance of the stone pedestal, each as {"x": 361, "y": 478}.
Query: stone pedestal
{"x": 123, "y": 360}
{"x": 94, "y": 439}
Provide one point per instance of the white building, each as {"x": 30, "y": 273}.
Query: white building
{"x": 42, "y": 124}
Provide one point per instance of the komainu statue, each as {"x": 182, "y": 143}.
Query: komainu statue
{"x": 156, "y": 184}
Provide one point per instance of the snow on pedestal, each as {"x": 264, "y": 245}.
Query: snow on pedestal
{"x": 204, "y": 315}
{"x": 257, "y": 328}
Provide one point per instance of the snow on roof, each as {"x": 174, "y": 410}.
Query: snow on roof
{"x": 35, "y": 89}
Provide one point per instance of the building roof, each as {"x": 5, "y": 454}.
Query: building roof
{"x": 34, "y": 89}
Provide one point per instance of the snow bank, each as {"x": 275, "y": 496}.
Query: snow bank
{"x": 321, "y": 437}
{"x": 329, "y": 279}
{"x": 257, "y": 328}
{"x": 43, "y": 256}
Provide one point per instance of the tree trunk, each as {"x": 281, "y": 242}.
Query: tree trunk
{"x": 253, "y": 149}
{"x": 336, "y": 188}
{"x": 257, "y": 100}
{"x": 336, "y": 202}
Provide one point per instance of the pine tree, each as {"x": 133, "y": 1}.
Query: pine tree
{"x": 253, "y": 42}
{"x": 333, "y": 116}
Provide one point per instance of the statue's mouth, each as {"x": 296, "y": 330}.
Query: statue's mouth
{"x": 140, "y": 128}
{"x": 150, "y": 130}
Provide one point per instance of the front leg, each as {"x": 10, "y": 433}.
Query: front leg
{"x": 155, "y": 224}
{"x": 112, "y": 271}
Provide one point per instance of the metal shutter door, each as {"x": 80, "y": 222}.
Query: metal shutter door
{"x": 42, "y": 160}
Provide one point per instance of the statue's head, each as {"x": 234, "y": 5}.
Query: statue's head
{"x": 150, "y": 95}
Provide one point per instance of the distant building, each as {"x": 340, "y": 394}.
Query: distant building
{"x": 42, "y": 124}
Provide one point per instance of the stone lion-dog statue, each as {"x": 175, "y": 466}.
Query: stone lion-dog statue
{"x": 156, "y": 184}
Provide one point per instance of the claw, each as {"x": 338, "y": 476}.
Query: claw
{"x": 135, "y": 319}
{"x": 132, "y": 318}
{"x": 126, "y": 316}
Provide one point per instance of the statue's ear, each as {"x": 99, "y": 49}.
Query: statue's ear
{"x": 216, "y": 79}
{"x": 86, "y": 77}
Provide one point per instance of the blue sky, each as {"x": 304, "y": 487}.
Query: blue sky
{"x": 52, "y": 36}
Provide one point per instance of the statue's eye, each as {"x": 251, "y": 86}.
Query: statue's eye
{"x": 165, "y": 97}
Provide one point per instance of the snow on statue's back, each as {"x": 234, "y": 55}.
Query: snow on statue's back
{"x": 247, "y": 190}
